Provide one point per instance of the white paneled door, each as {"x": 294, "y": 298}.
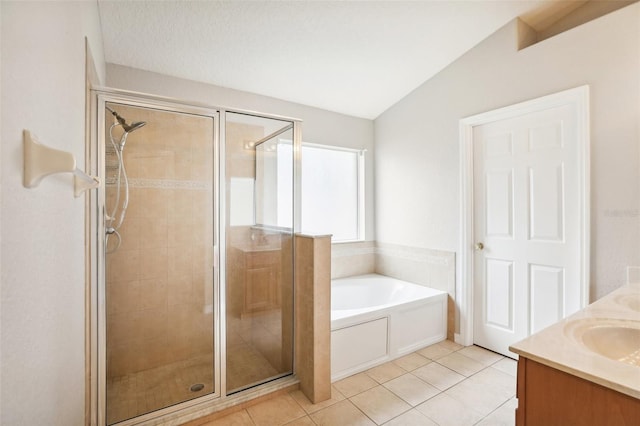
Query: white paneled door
{"x": 527, "y": 229}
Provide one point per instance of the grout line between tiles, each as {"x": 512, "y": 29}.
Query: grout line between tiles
{"x": 410, "y": 406}
{"x": 497, "y": 408}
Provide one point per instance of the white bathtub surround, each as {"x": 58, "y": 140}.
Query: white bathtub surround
{"x": 375, "y": 319}
{"x": 349, "y": 259}
{"x": 633, "y": 274}
{"x": 433, "y": 268}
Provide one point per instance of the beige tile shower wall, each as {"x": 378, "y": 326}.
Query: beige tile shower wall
{"x": 432, "y": 268}
{"x": 160, "y": 281}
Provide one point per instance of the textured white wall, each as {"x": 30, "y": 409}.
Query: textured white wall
{"x": 417, "y": 140}
{"x": 42, "y": 229}
{"x": 319, "y": 126}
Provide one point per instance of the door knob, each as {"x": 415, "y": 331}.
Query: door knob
{"x": 479, "y": 246}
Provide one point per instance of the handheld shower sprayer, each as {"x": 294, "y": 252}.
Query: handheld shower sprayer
{"x": 113, "y": 219}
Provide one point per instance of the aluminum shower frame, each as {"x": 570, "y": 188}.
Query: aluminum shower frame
{"x": 96, "y": 309}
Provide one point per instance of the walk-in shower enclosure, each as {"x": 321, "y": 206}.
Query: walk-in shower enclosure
{"x": 192, "y": 255}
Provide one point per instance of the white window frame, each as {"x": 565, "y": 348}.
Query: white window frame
{"x": 360, "y": 186}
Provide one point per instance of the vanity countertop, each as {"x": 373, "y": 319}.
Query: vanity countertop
{"x": 600, "y": 343}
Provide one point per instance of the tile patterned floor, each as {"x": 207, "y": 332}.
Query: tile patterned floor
{"x": 443, "y": 384}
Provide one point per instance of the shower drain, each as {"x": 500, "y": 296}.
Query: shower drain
{"x": 197, "y": 387}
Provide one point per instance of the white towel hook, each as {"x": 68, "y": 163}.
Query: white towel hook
{"x": 41, "y": 161}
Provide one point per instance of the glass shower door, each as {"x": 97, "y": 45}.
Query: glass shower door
{"x": 159, "y": 291}
{"x": 259, "y": 250}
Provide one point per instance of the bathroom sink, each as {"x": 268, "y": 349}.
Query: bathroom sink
{"x": 630, "y": 301}
{"x": 618, "y": 340}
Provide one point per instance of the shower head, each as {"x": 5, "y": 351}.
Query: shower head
{"x": 128, "y": 128}
{"x": 133, "y": 126}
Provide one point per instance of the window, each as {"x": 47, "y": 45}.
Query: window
{"x": 333, "y": 192}
{"x": 332, "y": 187}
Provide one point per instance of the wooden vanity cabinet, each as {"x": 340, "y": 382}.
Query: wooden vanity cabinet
{"x": 549, "y": 397}
{"x": 260, "y": 281}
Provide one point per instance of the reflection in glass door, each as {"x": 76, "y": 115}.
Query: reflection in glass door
{"x": 159, "y": 293}
{"x": 259, "y": 250}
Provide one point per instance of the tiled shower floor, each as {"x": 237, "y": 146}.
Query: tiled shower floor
{"x": 249, "y": 342}
{"x": 443, "y": 384}
{"x": 135, "y": 394}
{"x": 150, "y": 390}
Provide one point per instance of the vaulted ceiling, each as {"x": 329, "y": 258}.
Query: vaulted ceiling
{"x": 352, "y": 57}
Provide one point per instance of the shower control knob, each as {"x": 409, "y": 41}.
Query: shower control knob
{"x": 479, "y": 246}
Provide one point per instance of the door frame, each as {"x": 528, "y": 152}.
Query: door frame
{"x": 578, "y": 99}
{"x": 98, "y": 308}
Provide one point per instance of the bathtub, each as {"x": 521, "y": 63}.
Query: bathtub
{"x": 375, "y": 319}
